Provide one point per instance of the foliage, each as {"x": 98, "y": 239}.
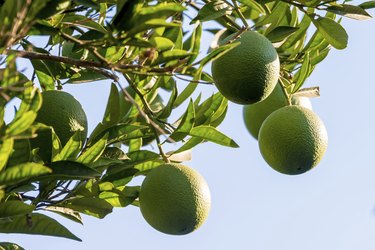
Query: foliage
{"x": 148, "y": 49}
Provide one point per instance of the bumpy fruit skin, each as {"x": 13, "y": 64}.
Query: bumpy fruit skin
{"x": 293, "y": 140}
{"x": 174, "y": 199}
{"x": 65, "y": 114}
{"x": 255, "y": 114}
{"x": 249, "y": 72}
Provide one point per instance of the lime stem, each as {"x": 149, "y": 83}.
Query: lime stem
{"x": 242, "y": 17}
{"x": 287, "y": 96}
{"x": 148, "y": 115}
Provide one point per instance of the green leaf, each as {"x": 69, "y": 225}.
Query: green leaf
{"x": 6, "y": 148}
{"x": 8, "y": 13}
{"x": 148, "y": 165}
{"x": 31, "y": 100}
{"x": 120, "y": 132}
{"x": 167, "y": 110}
{"x": 208, "y": 108}
{"x": 5, "y": 220}
{"x": 296, "y": 36}
{"x": 112, "y": 111}
{"x": 2, "y": 114}
{"x": 124, "y": 14}
{"x": 185, "y": 94}
{"x": 71, "y": 148}
{"x": 162, "y": 9}
{"x": 315, "y": 41}
{"x": 142, "y": 156}
{"x": 332, "y": 31}
{"x": 135, "y": 144}
{"x": 120, "y": 175}
{"x": 212, "y": 10}
{"x": 134, "y": 16}
{"x": 115, "y": 53}
{"x": 37, "y": 224}
{"x": 162, "y": 43}
{"x": 22, "y": 172}
{"x": 10, "y": 246}
{"x": 253, "y": 5}
{"x": 120, "y": 197}
{"x": 14, "y": 208}
{"x": 114, "y": 153}
{"x": 83, "y": 21}
{"x": 88, "y": 3}
{"x": 186, "y": 124}
{"x": 275, "y": 17}
{"x": 21, "y": 124}
{"x": 212, "y": 134}
{"x": 191, "y": 143}
{"x": 94, "y": 152}
{"x": 47, "y": 82}
{"x": 367, "y": 5}
{"x": 321, "y": 55}
{"x": 171, "y": 55}
{"x": 11, "y": 77}
{"x": 218, "y": 52}
{"x": 69, "y": 170}
{"x": 42, "y": 28}
{"x": 53, "y": 7}
{"x": 151, "y": 24}
{"x": 106, "y": 186}
{"x": 195, "y": 42}
{"x": 87, "y": 188}
{"x": 218, "y": 117}
{"x": 49, "y": 72}
{"x": 280, "y": 33}
{"x": 56, "y": 144}
{"x": 66, "y": 212}
{"x": 351, "y": 11}
{"x": 91, "y": 206}
{"x": 302, "y": 74}
{"x": 84, "y": 76}
{"x": 175, "y": 34}
{"x": 24, "y": 188}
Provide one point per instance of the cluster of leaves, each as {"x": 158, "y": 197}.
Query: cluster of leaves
{"x": 149, "y": 46}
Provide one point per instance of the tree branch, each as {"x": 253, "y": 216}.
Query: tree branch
{"x": 94, "y": 66}
{"x": 99, "y": 67}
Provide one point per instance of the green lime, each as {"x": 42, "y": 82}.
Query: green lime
{"x": 249, "y": 72}
{"x": 174, "y": 199}
{"x": 293, "y": 140}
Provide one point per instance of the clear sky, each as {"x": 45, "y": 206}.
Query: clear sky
{"x": 254, "y": 207}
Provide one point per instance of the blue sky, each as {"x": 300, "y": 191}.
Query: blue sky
{"x": 254, "y": 207}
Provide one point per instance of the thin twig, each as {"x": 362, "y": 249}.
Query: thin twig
{"x": 148, "y": 116}
{"x": 97, "y": 66}
{"x": 140, "y": 110}
{"x": 238, "y": 11}
{"x": 193, "y": 81}
{"x": 94, "y": 66}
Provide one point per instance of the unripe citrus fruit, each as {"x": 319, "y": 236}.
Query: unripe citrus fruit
{"x": 249, "y": 72}
{"x": 293, "y": 140}
{"x": 174, "y": 199}
{"x": 65, "y": 114}
{"x": 255, "y": 114}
